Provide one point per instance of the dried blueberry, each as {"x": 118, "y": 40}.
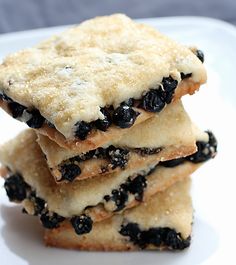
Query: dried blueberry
{"x": 70, "y": 171}
{"x": 129, "y": 102}
{"x": 118, "y": 157}
{"x": 124, "y": 116}
{"x": 16, "y": 109}
{"x": 169, "y": 85}
{"x": 153, "y": 100}
{"x": 173, "y": 240}
{"x": 104, "y": 124}
{"x": 120, "y": 198}
{"x": 173, "y": 162}
{"x": 36, "y": 121}
{"x": 200, "y": 55}
{"x": 4, "y": 97}
{"x": 147, "y": 151}
{"x": 205, "y": 150}
{"x": 51, "y": 220}
{"x": 184, "y": 76}
{"x": 16, "y": 188}
{"x": 82, "y": 224}
{"x": 39, "y": 204}
{"x": 151, "y": 236}
{"x": 132, "y": 231}
{"x": 156, "y": 236}
{"x": 137, "y": 186}
{"x": 82, "y": 129}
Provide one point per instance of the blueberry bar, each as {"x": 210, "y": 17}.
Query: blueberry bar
{"x": 28, "y": 180}
{"x": 94, "y": 81}
{"x": 164, "y": 222}
{"x": 162, "y": 138}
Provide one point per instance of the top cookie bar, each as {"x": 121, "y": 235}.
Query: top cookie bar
{"x": 106, "y": 72}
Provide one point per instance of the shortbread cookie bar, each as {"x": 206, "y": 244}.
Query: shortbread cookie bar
{"x": 158, "y": 138}
{"x": 163, "y": 222}
{"x": 89, "y": 200}
{"x": 83, "y": 86}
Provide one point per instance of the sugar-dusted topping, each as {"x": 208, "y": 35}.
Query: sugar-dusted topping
{"x": 101, "y": 62}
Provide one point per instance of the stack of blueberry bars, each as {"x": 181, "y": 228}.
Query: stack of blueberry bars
{"x": 106, "y": 162}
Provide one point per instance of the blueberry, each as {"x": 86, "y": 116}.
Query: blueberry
{"x": 173, "y": 162}
{"x": 82, "y": 224}
{"x": 39, "y": 204}
{"x": 104, "y": 124}
{"x": 153, "y": 100}
{"x": 16, "y": 188}
{"x": 36, "y": 121}
{"x": 124, "y": 116}
{"x": 129, "y": 102}
{"x": 155, "y": 236}
{"x": 205, "y": 150}
{"x": 173, "y": 240}
{"x": 82, "y": 129}
{"x": 147, "y": 151}
{"x": 200, "y": 55}
{"x": 118, "y": 157}
{"x": 185, "y": 76}
{"x": 132, "y": 231}
{"x": 51, "y": 220}
{"x": 120, "y": 198}
{"x": 16, "y": 109}
{"x": 169, "y": 85}
{"x": 4, "y": 97}
{"x": 137, "y": 186}
{"x": 70, "y": 171}
{"x": 151, "y": 236}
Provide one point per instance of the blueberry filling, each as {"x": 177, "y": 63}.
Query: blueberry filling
{"x": 51, "y": 220}
{"x": 124, "y": 116}
{"x": 69, "y": 172}
{"x": 118, "y": 157}
{"x": 173, "y": 162}
{"x": 16, "y": 109}
{"x": 36, "y": 121}
{"x": 130, "y": 102}
{"x": 104, "y": 124}
{"x": 4, "y": 97}
{"x": 200, "y": 55}
{"x": 38, "y": 203}
{"x": 16, "y": 188}
{"x": 184, "y": 76}
{"x": 169, "y": 85}
{"x": 134, "y": 186}
{"x": 205, "y": 151}
{"x": 158, "y": 237}
{"x": 82, "y": 224}
{"x": 148, "y": 151}
{"x": 153, "y": 100}
{"x": 82, "y": 129}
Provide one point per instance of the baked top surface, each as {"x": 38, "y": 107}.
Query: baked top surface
{"x": 101, "y": 62}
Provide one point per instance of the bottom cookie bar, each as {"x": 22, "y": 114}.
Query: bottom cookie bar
{"x": 164, "y": 222}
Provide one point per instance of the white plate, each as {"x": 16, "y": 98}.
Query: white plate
{"x": 214, "y": 185}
